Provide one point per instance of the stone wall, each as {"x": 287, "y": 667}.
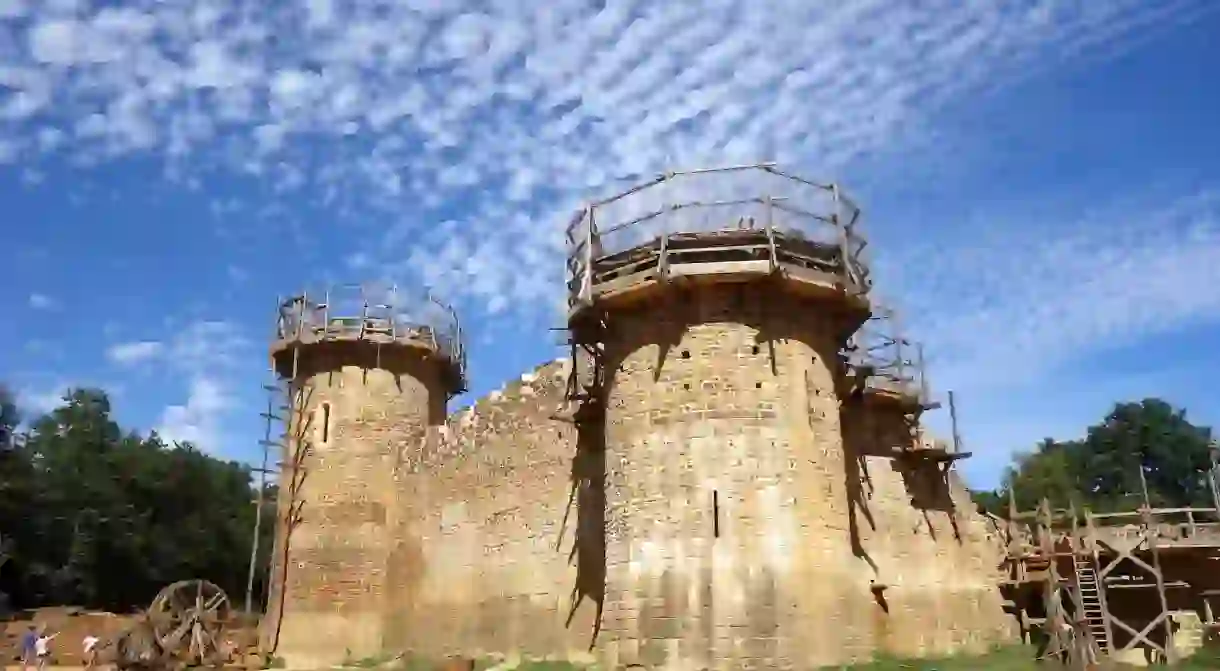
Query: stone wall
{"x": 494, "y": 525}
{"x": 729, "y": 510}
{"x": 934, "y": 559}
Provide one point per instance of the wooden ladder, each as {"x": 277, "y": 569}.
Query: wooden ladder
{"x": 1090, "y": 601}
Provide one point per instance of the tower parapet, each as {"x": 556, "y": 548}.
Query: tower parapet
{"x": 717, "y": 225}
{"x": 369, "y": 374}
{"x": 380, "y": 318}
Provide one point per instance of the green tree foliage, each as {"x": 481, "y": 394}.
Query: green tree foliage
{"x": 1102, "y": 469}
{"x": 103, "y": 518}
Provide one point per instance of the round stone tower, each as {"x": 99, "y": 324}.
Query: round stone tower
{"x": 368, "y": 373}
{"x": 714, "y": 307}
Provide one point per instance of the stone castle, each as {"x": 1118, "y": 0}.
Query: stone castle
{"x": 723, "y": 474}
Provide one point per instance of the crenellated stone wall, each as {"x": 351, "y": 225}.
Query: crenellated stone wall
{"x": 493, "y": 525}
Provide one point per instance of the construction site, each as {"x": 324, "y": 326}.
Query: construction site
{"x": 729, "y": 469}
{"x": 1138, "y": 587}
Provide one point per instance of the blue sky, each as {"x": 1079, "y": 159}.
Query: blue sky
{"x": 1039, "y": 180}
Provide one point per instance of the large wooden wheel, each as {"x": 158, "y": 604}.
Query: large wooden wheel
{"x": 188, "y": 618}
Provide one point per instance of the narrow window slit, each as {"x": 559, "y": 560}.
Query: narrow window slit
{"x": 715, "y": 513}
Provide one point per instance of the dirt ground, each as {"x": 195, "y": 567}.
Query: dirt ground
{"x": 72, "y": 625}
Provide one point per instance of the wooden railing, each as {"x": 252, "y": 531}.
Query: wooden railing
{"x": 750, "y": 197}
{"x": 356, "y": 312}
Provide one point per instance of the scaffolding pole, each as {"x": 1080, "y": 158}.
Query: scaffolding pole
{"x": 260, "y": 499}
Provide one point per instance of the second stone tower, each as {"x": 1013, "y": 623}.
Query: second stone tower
{"x": 716, "y": 369}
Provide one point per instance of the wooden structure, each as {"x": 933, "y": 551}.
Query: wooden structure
{"x": 185, "y": 626}
{"x": 886, "y": 369}
{"x": 368, "y": 315}
{"x": 1100, "y": 584}
{"x": 734, "y": 224}
{"x": 622, "y": 248}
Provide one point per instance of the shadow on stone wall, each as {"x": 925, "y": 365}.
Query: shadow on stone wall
{"x": 926, "y": 484}
{"x": 925, "y": 481}
{"x": 589, "y": 493}
{"x": 858, "y": 484}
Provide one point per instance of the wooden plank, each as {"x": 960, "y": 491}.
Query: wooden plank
{"x": 814, "y": 284}
{"x": 604, "y": 270}
{"x": 717, "y": 249}
{"x": 833, "y": 262}
{"x": 624, "y": 283}
{"x": 809, "y": 275}
{"x": 1146, "y": 585}
{"x": 720, "y": 268}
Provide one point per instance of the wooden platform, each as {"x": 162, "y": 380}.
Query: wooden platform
{"x": 386, "y": 335}
{"x": 382, "y": 332}
{"x": 814, "y": 268}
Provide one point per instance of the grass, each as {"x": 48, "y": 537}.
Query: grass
{"x": 1009, "y": 658}
{"x": 1018, "y": 658}
{"x": 1013, "y": 658}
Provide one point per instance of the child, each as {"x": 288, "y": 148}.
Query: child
{"x": 90, "y": 644}
{"x": 42, "y": 648}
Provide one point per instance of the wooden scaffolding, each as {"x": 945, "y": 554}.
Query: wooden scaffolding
{"x": 1065, "y": 568}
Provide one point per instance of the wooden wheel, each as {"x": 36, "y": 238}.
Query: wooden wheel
{"x": 188, "y": 618}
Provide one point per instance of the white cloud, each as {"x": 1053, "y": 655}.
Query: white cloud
{"x": 134, "y": 352}
{"x": 42, "y": 302}
{"x": 199, "y": 419}
{"x": 1005, "y": 304}
{"x": 43, "y": 399}
{"x": 207, "y": 355}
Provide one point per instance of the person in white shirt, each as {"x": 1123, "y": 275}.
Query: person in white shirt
{"x": 42, "y": 649}
{"x": 90, "y": 645}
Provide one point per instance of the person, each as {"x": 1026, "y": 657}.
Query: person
{"x": 28, "y": 641}
{"x": 42, "y": 649}
{"x": 90, "y": 644}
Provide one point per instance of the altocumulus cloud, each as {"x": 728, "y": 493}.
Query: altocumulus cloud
{"x": 133, "y": 352}
{"x": 207, "y": 355}
{"x": 516, "y": 112}
{"x": 1029, "y": 294}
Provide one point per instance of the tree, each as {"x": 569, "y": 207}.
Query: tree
{"x": 1102, "y": 469}
{"x": 102, "y": 517}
